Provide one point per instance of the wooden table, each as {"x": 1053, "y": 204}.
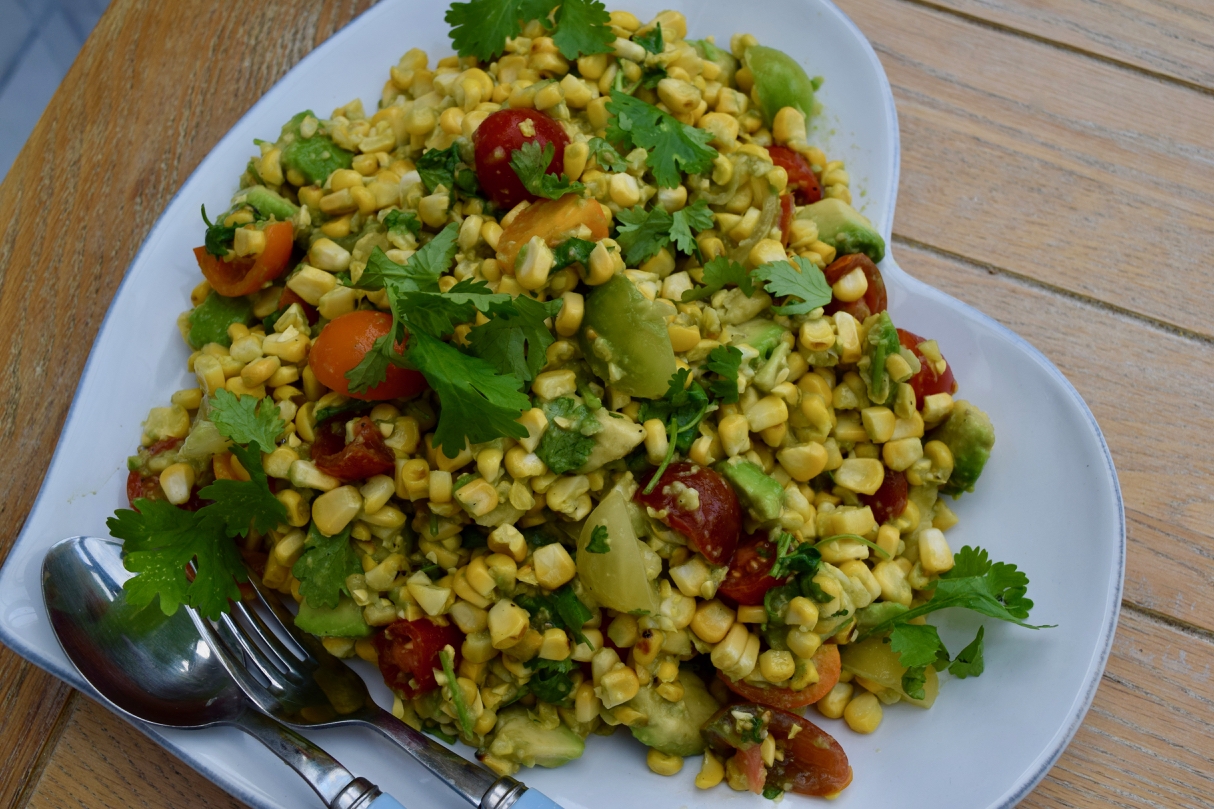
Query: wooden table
{"x": 1058, "y": 173}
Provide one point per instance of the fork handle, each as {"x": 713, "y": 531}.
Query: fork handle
{"x": 470, "y": 780}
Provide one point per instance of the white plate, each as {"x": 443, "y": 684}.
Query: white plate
{"x": 1048, "y": 501}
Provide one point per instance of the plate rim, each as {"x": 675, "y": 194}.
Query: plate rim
{"x": 1031, "y": 776}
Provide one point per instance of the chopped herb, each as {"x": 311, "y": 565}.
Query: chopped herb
{"x": 685, "y": 403}
{"x": 572, "y": 251}
{"x": 561, "y": 609}
{"x": 674, "y": 148}
{"x": 324, "y": 566}
{"x": 550, "y": 681}
{"x": 606, "y": 155}
{"x": 717, "y": 274}
{"x": 805, "y": 281}
{"x": 568, "y": 442}
{"x": 445, "y": 167}
{"x": 600, "y": 542}
{"x": 219, "y": 237}
{"x": 725, "y": 361}
{"x": 480, "y": 28}
{"x": 402, "y": 222}
{"x": 530, "y": 162}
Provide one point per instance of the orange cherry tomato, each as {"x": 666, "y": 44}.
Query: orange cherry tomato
{"x": 344, "y": 342}
{"x": 828, "y": 663}
{"x": 244, "y": 276}
{"x": 553, "y": 220}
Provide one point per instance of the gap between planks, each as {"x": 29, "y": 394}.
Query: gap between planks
{"x": 66, "y": 712}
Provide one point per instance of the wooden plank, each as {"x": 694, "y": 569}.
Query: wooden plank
{"x": 112, "y": 147}
{"x": 102, "y": 762}
{"x": 1056, "y": 167}
{"x": 1173, "y": 38}
{"x": 1147, "y": 410}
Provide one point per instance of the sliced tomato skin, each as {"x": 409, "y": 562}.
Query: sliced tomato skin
{"x": 875, "y": 300}
{"x": 814, "y": 762}
{"x": 748, "y": 578}
{"x": 244, "y": 276}
{"x": 927, "y": 381}
{"x": 366, "y": 456}
{"x": 786, "y": 214}
{"x": 408, "y": 654}
{"x": 714, "y": 527}
{"x": 750, "y": 762}
{"x": 801, "y": 180}
{"x": 889, "y": 501}
{"x": 344, "y": 342}
{"x": 496, "y": 140}
{"x": 826, "y": 660}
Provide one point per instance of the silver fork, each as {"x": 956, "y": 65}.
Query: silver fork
{"x": 303, "y": 686}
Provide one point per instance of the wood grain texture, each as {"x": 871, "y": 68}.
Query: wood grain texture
{"x": 100, "y": 167}
{"x": 102, "y": 762}
{"x": 1075, "y": 179}
{"x": 1113, "y": 360}
{"x": 1168, "y": 37}
{"x": 1076, "y": 173}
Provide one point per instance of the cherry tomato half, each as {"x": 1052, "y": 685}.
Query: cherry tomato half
{"x": 289, "y": 297}
{"x": 713, "y": 527}
{"x": 408, "y": 654}
{"x": 826, "y": 660}
{"x": 553, "y": 220}
{"x": 344, "y": 342}
{"x": 874, "y": 301}
{"x": 747, "y": 580}
{"x": 927, "y": 381}
{"x": 813, "y": 764}
{"x": 801, "y": 179}
{"x": 244, "y": 276}
{"x": 495, "y": 142}
{"x": 366, "y": 456}
{"x": 889, "y": 501}
{"x": 786, "y": 214}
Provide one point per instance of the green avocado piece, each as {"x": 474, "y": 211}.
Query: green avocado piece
{"x": 780, "y": 82}
{"x": 343, "y": 621}
{"x": 270, "y": 204}
{"x": 624, "y": 338}
{"x": 210, "y": 319}
{"x": 760, "y": 334}
{"x": 757, "y": 490}
{"x": 970, "y": 435}
{"x": 722, "y": 58}
{"x": 845, "y": 229}
{"x": 674, "y": 727}
{"x": 521, "y": 739}
{"x": 316, "y": 157}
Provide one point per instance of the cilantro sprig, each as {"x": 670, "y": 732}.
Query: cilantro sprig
{"x": 606, "y": 155}
{"x": 480, "y": 28}
{"x": 561, "y": 609}
{"x": 161, "y": 540}
{"x": 804, "y": 281}
{"x": 674, "y": 147}
{"x": 531, "y": 162}
{"x": 719, "y": 273}
{"x": 219, "y": 237}
{"x": 323, "y": 567}
{"x": 725, "y": 361}
{"x": 643, "y": 233}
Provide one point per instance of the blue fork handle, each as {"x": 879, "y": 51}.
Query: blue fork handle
{"x": 534, "y": 799}
{"x": 386, "y": 801}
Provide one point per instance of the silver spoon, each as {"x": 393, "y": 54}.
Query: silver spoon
{"x": 157, "y": 668}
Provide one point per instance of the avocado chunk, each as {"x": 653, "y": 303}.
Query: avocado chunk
{"x": 619, "y": 436}
{"x": 209, "y": 321}
{"x": 343, "y": 621}
{"x": 845, "y": 229}
{"x": 315, "y": 157}
{"x": 757, "y": 490}
{"x": 720, "y": 57}
{"x": 760, "y": 334}
{"x": 970, "y": 435}
{"x": 779, "y": 81}
{"x": 674, "y": 727}
{"x": 269, "y": 204}
{"x": 522, "y": 740}
{"x": 624, "y": 338}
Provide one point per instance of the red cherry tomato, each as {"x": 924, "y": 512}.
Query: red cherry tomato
{"x": 366, "y": 456}
{"x": 813, "y": 764}
{"x": 244, "y": 276}
{"x": 786, "y": 212}
{"x": 889, "y": 501}
{"x": 289, "y": 297}
{"x": 712, "y": 528}
{"x": 874, "y": 301}
{"x": 750, "y": 762}
{"x": 801, "y": 179}
{"x": 495, "y": 142}
{"x": 927, "y": 381}
{"x": 826, "y": 660}
{"x": 408, "y": 654}
{"x": 747, "y": 580}
{"x": 344, "y": 342}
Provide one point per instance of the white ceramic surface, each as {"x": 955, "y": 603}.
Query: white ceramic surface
{"x": 1048, "y": 501}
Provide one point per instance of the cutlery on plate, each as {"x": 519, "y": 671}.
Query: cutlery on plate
{"x": 290, "y": 676}
{"x": 155, "y": 667}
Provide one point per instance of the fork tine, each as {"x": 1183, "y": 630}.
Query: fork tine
{"x": 287, "y": 659}
{"x": 231, "y": 662}
{"x": 254, "y": 654}
{"x": 303, "y": 645}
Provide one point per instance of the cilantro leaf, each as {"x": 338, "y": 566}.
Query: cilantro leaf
{"x": 682, "y": 408}
{"x": 572, "y": 251}
{"x": 241, "y": 503}
{"x": 606, "y": 155}
{"x": 439, "y": 313}
{"x": 567, "y": 442}
{"x": 583, "y": 28}
{"x": 246, "y": 420}
{"x": 402, "y": 222}
{"x": 324, "y": 566}
{"x": 717, "y": 273}
{"x": 600, "y": 541}
{"x": 561, "y": 609}
{"x": 805, "y": 281}
{"x": 918, "y": 645}
{"x": 209, "y": 320}
{"x": 802, "y": 560}
{"x": 219, "y": 237}
{"x": 698, "y": 216}
{"x": 725, "y": 361}
{"x": 159, "y": 540}
{"x": 969, "y": 662}
{"x": 651, "y": 41}
{"x": 530, "y": 162}
{"x": 480, "y": 28}
{"x": 516, "y": 340}
{"x": 642, "y": 233}
{"x": 550, "y": 680}
{"x": 674, "y": 147}
{"x": 442, "y": 167}
{"x": 477, "y": 404}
